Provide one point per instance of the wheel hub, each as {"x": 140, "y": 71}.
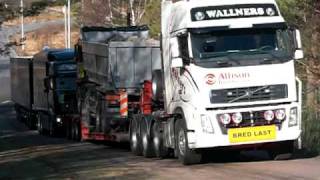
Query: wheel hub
{"x": 134, "y": 140}
{"x": 182, "y": 142}
{"x": 145, "y": 141}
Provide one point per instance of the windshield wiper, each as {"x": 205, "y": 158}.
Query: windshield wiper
{"x": 263, "y": 51}
{"x": 224, "y": 63}
{"x": 274, "y": 58}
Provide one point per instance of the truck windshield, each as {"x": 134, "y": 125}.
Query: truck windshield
{"x": 241, "y": 46}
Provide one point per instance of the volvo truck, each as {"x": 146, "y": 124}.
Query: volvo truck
{"x": 228, "y": 78}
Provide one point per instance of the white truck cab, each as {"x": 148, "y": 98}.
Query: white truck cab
{"x": 229, "y": 75}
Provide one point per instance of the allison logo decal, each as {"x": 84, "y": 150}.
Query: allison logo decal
{"x": 210, "y": 79}
{"x": 227, "y": 77}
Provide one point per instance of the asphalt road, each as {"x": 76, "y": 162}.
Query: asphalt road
{"x": 26, "y": 155}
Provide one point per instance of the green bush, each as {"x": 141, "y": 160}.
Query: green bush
{"x": 153, "y": 19}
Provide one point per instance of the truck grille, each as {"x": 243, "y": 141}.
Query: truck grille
{"x": 249, "y": 94}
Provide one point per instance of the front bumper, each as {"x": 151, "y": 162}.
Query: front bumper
{"x": 201, "y": 139}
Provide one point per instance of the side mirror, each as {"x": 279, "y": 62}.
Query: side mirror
{"x": 177, "y": 63}
{"x": 298, "y": 54}
{"x": 48, "y": 84}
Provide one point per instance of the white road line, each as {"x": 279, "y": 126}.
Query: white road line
{"x": 6, "y": 102}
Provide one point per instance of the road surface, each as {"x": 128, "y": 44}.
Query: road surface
{"x": 26, "y": 155}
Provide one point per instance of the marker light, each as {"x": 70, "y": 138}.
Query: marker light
{"x": 268, "y": 115}
{"x": 281, "y": 114}
{"x": 199, "y": 16}
{"x": 225, "y": 119}
{"x": 206, "y": 124}
{"x": 237, "y": 118}
{"x": 293, "y": 119}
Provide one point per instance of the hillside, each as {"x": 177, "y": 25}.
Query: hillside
{"x": 42, "y": 30}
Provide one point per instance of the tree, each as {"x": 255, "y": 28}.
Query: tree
{"x": 113, "y": 12}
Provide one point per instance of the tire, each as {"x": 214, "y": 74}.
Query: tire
{"x": 52, "y": 131}
{"x": 77, "y": 136}
{"x": 39, "y": 124}
{"x": 32, "y": 122}
{"x": 282, "y": 151}
{"x": 147, "y": 141}
{"x": 158, "y": 143}
{"x": 73, "y": 133}
{"x": 68, "y": 130}
{"x": 157, "y": 85}
{"x": 186, "y": 156}
{"x": 135, "y": 137}
{"x": 18, "y": 115}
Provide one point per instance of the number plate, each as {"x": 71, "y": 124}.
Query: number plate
{"x": 248, "y": 134}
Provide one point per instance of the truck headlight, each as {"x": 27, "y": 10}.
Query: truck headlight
{"x": 225, "y": 119}
{"x": 293, "y": 118}
{"x": 268, "y": 115}
{"x": 237, "y": 118}
{"x": 206, "y": 124}
{"x": 280, "y": 114}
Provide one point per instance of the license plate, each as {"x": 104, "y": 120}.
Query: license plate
{"x": 249, "y": 134}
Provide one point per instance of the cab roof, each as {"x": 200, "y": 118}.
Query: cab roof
{"x": 251, "y": 12}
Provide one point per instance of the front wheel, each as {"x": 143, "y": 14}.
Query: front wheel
{"x": 186, "y": 155}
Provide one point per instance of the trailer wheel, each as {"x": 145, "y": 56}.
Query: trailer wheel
{"x": 135, "y": 136}
{"x": 186, "y": 156}
{"x": 158, "y": 142}
{"x": 77, "y": 135}
{"x": 147, "y": 140}
{"x": 52, "y": 130}
{"x": 74, "y": 131}
{"x": 282, "y": 151}
{"x": 39, "y": 124}
{"x": 18, "y": 114}
{"x": 68, "y": 130}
